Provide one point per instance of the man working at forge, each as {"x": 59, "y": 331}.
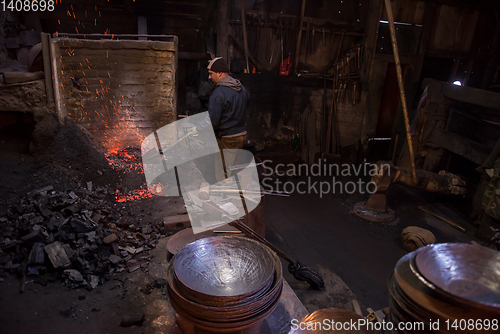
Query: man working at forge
{"x": 227, "y": 108}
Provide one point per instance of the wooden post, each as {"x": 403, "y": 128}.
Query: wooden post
{"x": 428, "y": 27}
{"x": 395, "y": 50}
{"x": 49, "y": 89}
{"x": 222, "y": 30}
{"x": 299, "y": 38}
{"x": 54, "y": 57}
{"x": 244, "y": 27}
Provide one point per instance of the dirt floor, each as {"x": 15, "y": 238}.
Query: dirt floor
{"x": 44, "y": 304}
{"x": 353, "y": 256}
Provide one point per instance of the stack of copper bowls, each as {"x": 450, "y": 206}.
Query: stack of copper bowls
{"x": 225, "y": 284}
{"x": 446, "y": 288}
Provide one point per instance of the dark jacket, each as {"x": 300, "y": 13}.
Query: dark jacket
{"x": 227, "y": 107}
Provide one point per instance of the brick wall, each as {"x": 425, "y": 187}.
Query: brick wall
{"x": 128, "y": 88}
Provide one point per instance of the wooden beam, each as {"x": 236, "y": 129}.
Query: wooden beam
{"x": 299, "y": 37}
{"x": 244, "y": 29}
{"x": 472, "y": 95}
{"x": 47, "y": 69}
{"x": 464, "y": 147}
{"x": 275, "y": 25}
{"x": 490, "y": 5}
{"x": 455, "y": 54}
{"x": 428, "y": 24}
{"x": 388, "y": 58}
{"x": 315, "y": 20}
{"x": 222, "y": 30}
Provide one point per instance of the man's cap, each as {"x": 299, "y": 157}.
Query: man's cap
{"x": 218, "y": 65}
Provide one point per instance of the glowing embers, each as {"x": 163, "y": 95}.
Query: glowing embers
{"x": 126, "y": 160}
{"x": 132, "y": 195}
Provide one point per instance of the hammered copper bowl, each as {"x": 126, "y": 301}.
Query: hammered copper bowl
{"x": 467, "y": 273}
{"x": 413, "y": 298}
{"x": 227, "y": 317}
{"x": 224, "y": 268}
{"x": 229, "y": 312}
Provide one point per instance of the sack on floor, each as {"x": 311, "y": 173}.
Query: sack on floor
{"x": 415, "y": 237}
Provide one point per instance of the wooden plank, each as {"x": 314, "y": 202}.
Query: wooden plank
{"x": 472, "y": 95}
{"x": 172, "y": 223}
{"x": 466, "y": 148}
{"x": 176, "y": 219}
{"x": 471, "y": 19}
{"x": 441, "y": 38}
{"x": 434, "y": 53}
{"x": 419, "y": 14}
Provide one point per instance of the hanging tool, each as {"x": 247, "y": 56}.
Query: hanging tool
{"x": 283, "y": 31}
{"x": 312, "y": 42}
{"x": 331, "y": 44}
{"x": 265, "y": 36}
{"x": 339, "y": 93}
{"x": 274, "y": 42}
{"x": 354, "y": 94}
{"x": 359, "y": 57}
{"x": 455, "y": 225}
{"x": 259, "y": 33}
{"x": 340, "y": 46}
{"x": 307, "y": 37}
{"x": 298, "y": 271}
{"x": 348, "y": 67}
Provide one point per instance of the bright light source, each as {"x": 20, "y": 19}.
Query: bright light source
{"x": 458, "y": 83}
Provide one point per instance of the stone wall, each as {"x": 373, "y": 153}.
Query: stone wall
{"x": 119, "y": 90}
{"x": 23, "y": 97}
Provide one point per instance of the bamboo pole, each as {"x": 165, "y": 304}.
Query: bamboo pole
{"x": 395, "y": 50}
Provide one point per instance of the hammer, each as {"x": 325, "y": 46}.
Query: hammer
{"x": 204, "y": 192}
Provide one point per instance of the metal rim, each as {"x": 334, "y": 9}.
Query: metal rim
{"x": 184, "y": 255}
{"x": 428, "y": 277}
